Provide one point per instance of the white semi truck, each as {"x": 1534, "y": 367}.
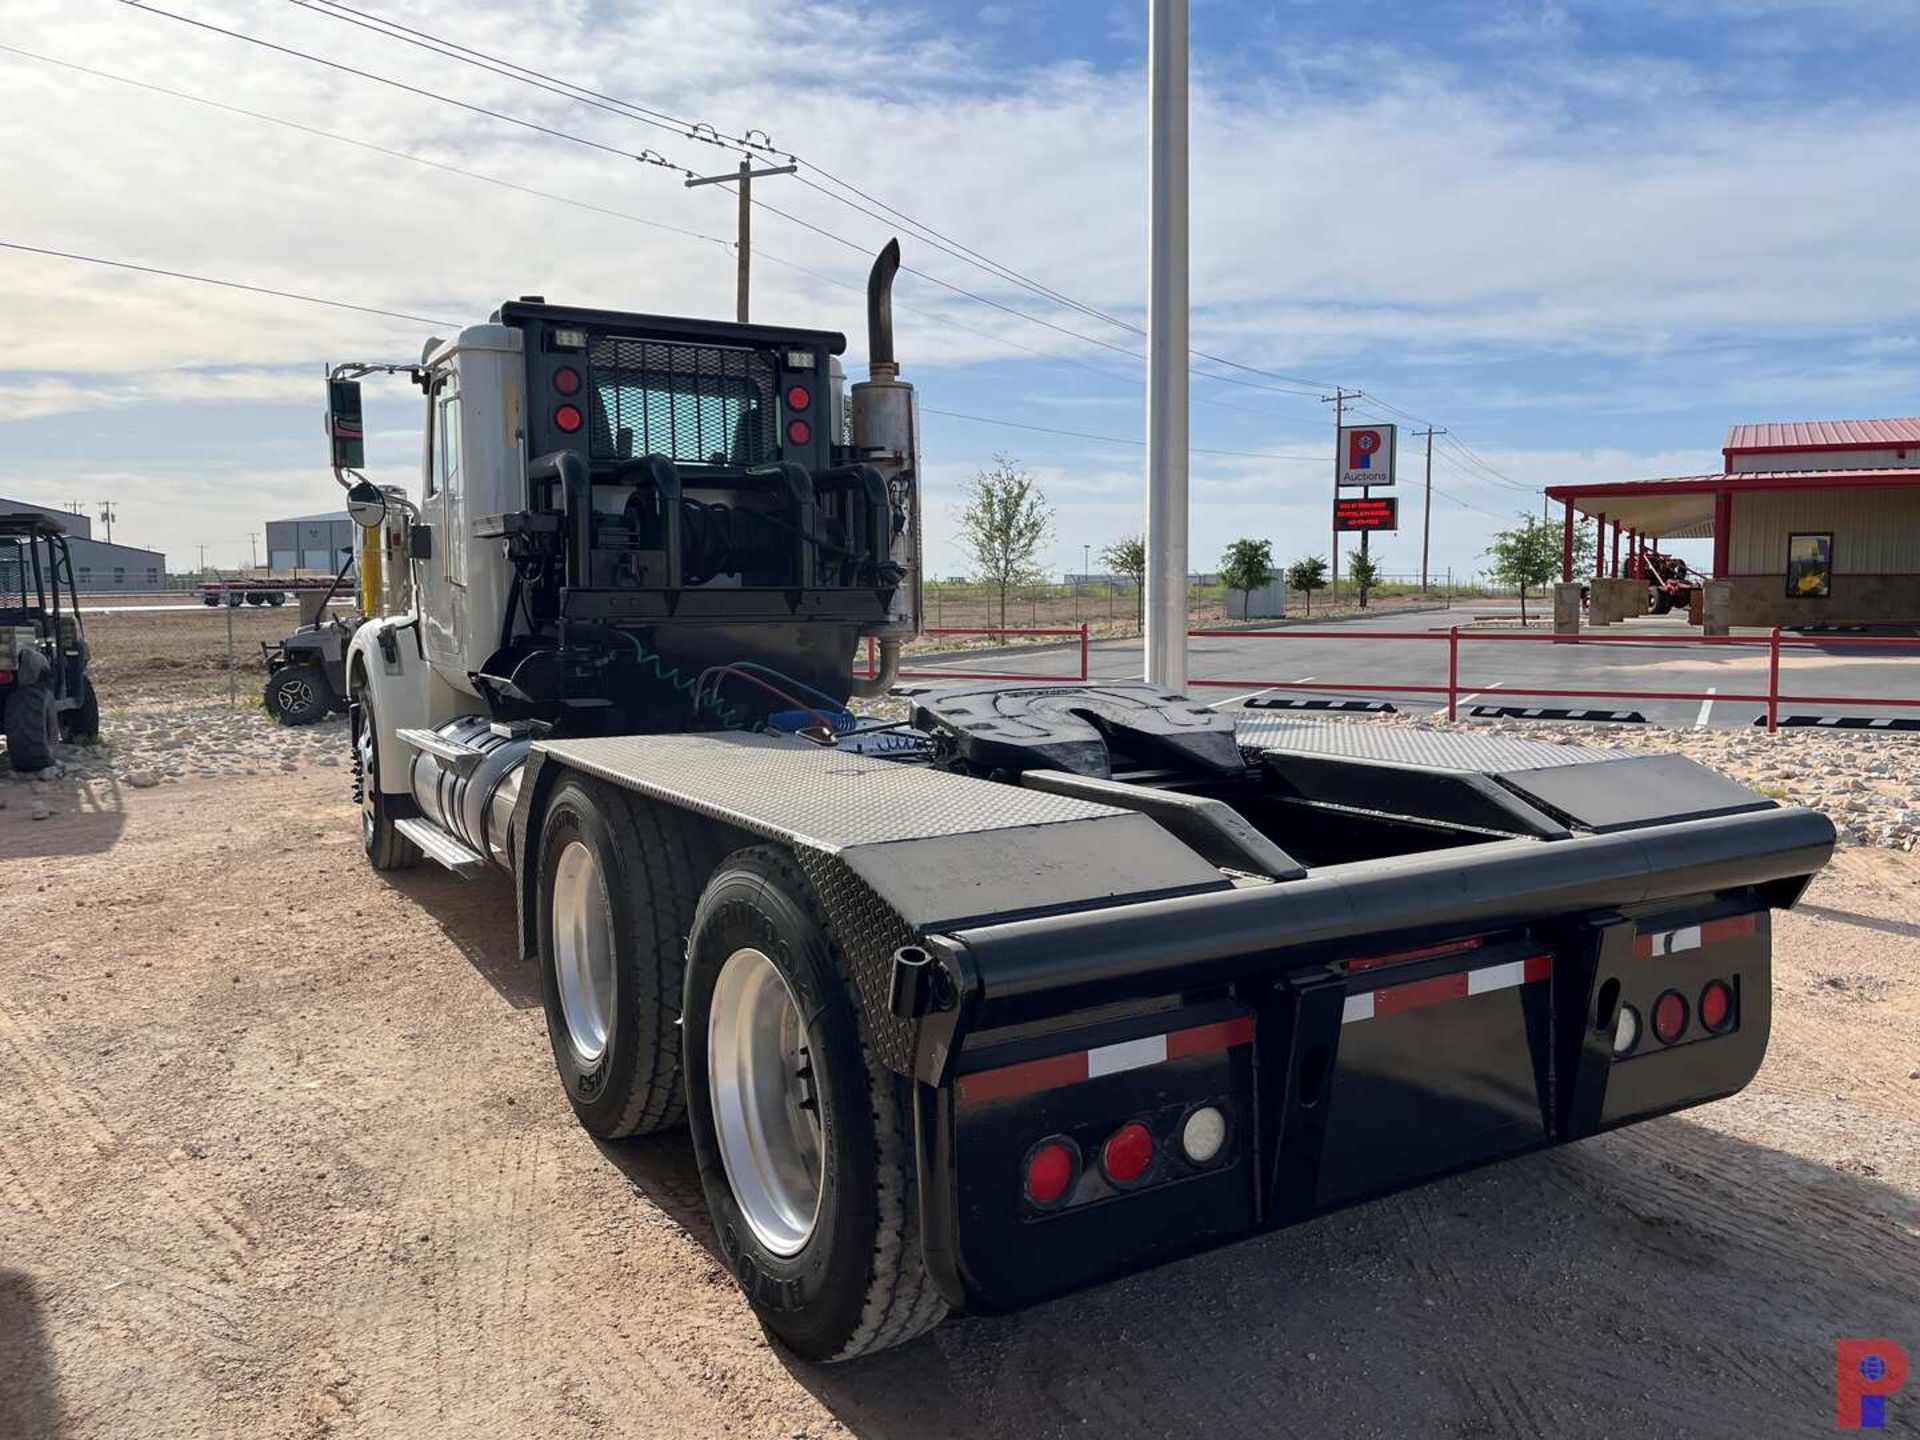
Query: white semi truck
{"x": 1043, "y": 985}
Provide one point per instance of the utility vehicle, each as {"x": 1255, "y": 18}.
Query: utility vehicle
{"x": 1029, "y": 986}
{"x": 46, "y": 693}
{"x": 307, "y": 671}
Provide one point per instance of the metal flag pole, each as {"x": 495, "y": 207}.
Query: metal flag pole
{"x": 1166, "y": 599}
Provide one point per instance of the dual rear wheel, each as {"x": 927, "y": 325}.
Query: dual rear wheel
{"x": 682, "y": 985}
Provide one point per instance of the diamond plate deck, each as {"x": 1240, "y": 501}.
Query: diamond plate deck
{"x": 823, "y": 798}
{"x": 1404, "y": 745}
{"x": 893, "y": 851}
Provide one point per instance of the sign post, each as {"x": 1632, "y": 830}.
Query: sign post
{"x": 1366, "y": 459}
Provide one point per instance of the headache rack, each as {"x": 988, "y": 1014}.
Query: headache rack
{"x": 694, "y": 404}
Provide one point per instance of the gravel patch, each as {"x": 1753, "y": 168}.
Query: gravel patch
{"x": 167, "y": 743}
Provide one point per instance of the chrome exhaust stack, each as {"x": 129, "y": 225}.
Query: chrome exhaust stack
{"x": 886, "y": 429}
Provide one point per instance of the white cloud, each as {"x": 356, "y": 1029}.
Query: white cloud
{"x": 1443, "y": 217}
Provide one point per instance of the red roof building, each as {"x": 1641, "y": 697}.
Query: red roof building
{"x": 1813, "y": 522}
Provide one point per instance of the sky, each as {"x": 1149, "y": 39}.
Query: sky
{"x": 1583, "y": 237}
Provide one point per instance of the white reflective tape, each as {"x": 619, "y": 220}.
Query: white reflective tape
{"x": 1675, "y": 941}
{"x": 1127, "y": 1055}
{"x": 1358, "y": 1007}
{"x": 1496, "y": 977}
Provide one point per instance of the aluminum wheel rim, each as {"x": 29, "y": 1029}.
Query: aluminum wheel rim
{"x": 295, "y": 694}
{"x": 761, "y": 1072}
{"x": 363, "y": 744}
{"x": 583, "y": 952}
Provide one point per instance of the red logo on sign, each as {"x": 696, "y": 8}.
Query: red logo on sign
{"x": 1361, "y": 445}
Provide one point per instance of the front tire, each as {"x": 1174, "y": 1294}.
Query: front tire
{"x": 616, "y": 890}
{"x": 299, "y": 695}
{"x": 805, "y": 1143}
{"x": 31, "y": 727}
{"x": 386, "y": 848}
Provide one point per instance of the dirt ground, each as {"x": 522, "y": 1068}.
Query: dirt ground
{"x": 281, "y": 1154}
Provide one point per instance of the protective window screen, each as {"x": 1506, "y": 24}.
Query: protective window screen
{"x": 694, "y": 404}
{"x": 14, "y": 576}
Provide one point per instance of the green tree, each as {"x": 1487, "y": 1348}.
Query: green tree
{"x": 1128, "y": 556}
{"x": 1527, "y": 555}
{"x": 1364, "y": 571}
{"x": 1004, "y": 523}
{"x": 1247, "y": 566}
{"x": 1308, "y": 574}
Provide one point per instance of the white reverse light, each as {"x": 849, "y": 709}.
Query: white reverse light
{"x": 1203, "y": 1134}
{"x": 1626, "y": 1031}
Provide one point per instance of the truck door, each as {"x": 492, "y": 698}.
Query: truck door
{"x": 442, "y": 575}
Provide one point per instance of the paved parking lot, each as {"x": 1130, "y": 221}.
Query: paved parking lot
{"x": 1339, "y": 661}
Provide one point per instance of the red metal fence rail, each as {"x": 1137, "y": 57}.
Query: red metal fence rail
{"x": 1075, "y": 632}
{"x": 1772, "y": 699}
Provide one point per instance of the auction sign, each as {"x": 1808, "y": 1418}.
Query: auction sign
{"x": 1366, "y": 513}
{"x": 1366, "y": 454}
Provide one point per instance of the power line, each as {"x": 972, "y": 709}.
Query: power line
{"x": 708, "y": 134}
{"x": 1121, "y": 440}
{"x": 446, "y": 324}
{"x": 369, "y": 145}
{"x": 939, "y": 321}
{"x": 223, "y": 284}
{"x": 659, "y": 119}
{"x": 653, "y": 158}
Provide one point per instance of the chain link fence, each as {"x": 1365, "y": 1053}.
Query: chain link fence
{"x": 177, "y": 650}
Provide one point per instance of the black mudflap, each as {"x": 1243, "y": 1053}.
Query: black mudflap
{"x": 1409, "y": 1071}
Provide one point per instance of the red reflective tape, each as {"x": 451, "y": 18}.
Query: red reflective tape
{"x": 1734, "y": 927}
{"x": 1643, "y": 947}
{"x": 1421, "y": 992}
{"x": 1538, "y": 967}
{"x": 1024, "y": 1079}
{"x": 1401, "y": 957}
{"x": 1032, "y": 1076}
{"x": 1204, "y": 1039}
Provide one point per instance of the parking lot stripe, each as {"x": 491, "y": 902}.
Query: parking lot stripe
{"x": 1706, "y": 709}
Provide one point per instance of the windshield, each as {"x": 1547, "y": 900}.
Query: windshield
{"x": 694, "y": 404}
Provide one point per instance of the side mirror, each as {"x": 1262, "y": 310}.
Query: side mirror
{"x": 366, "y": 505}
{"x": 345, "y": 426}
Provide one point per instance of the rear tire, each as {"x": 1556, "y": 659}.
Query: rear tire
{"x": 616, "y": 889}
{"x": 1662, "y": 602}
{"x": 299, "y": 694}
{"x": 82, "y": 723}
{"x": 386, "y": 848}
{"x": 849, "y": 1280}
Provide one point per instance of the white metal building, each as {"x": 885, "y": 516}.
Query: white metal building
{"x": 97, "y": 564}
{"x": 308, "y": 542}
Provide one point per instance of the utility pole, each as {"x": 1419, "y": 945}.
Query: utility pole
{"x": 253, "y": 556}
{"x": 203, "y": 559}
{"x": 1167, "y": 325}
{"x": 106, "y": 516}
{"x": 1338, "y": 400}
{"x": 744, "y": 178}
{"x": 1426, "y": 518}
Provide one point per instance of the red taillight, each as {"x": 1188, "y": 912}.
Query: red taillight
{"x": 1670, "y": 1017}
{"x": 1128, "y": 1154}
{"x": 569, "y": 418}
{"x": 567, "y": 380}
{"x": 1052, "y": 1167}
{"x": 799, "y": 432}
{"x": 799, "y": 397}
{"x": 1716, "y": 1006}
